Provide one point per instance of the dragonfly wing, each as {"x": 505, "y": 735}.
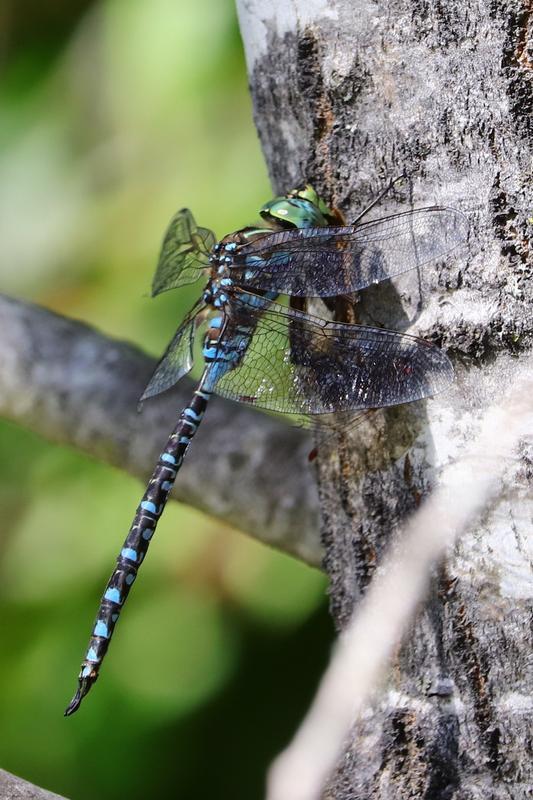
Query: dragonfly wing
{"x": 299, "y": 364}
{"x": 178, "y": 357}
{"x": 184, "y": 253}
{"x": 324, "y": 262}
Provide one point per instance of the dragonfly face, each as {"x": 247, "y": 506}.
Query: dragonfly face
{"x": 299, "y": 208}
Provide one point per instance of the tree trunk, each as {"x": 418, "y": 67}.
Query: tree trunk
{"x": 346, "y": 96}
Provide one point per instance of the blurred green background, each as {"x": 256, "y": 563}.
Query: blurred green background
{"x": 113, "y": 115}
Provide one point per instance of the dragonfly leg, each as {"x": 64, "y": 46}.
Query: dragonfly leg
{"x": 379, "y": 198}
{"x": 136, "y": 543}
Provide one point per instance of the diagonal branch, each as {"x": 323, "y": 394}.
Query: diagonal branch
{"x": 67, "y": 382}
{"x": 14, "y": 788}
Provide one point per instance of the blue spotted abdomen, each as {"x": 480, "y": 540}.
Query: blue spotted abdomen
{"x": 136, "y": 544}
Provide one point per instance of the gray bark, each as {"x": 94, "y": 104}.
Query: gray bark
{"x": 347, "y": 95}
{"x": 72, "y": 385}
{"x": 14, "y": 788}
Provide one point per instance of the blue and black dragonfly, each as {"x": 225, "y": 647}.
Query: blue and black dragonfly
{"x": 276, "y": 357}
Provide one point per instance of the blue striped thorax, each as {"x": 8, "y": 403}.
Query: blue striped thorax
{"x": 217, "y": 291}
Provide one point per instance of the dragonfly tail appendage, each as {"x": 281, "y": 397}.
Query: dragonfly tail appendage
{"x": 136, "y": 544}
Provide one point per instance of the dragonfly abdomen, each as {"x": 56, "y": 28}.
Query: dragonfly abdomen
{"x": 137, "y": 541}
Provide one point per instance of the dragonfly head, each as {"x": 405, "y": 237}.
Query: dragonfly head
{"x": 299, "y": 208}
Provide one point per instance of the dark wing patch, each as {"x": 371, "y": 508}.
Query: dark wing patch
{"x": 302, "y": 365}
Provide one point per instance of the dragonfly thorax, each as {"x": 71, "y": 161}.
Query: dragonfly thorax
{"x": 221, "y": 260}
{"x": 216, "y": 292}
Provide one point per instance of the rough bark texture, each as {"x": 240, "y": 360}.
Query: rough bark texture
{"x": 347, "y": 95}
{"x": 71, "y": 384}
{"x": 14, "y": 788}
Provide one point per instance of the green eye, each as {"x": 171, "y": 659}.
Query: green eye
{"x": 300, "y": 208}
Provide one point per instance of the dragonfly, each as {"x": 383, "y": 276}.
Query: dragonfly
{"x": 275, "y": 357}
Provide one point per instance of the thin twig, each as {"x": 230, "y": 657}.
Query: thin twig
{"x": 363, "y": 651}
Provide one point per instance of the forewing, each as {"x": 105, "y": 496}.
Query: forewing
{"x": 324, "y": 262}
{"x": 178, "y": 357}
{"x": 184, "y": 253}
{"x": 299, "y": 364}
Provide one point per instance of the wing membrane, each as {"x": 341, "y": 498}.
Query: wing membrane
{"x": 324, "y": 262}
{"x": 184, "y": 253}
{"x": 299, "y": 364}
{"x": 178, "y": 357}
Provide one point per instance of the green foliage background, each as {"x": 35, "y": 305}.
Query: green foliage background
{"x": 114, "y": 114}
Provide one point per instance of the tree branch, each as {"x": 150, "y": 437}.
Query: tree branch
{"x": 67, "y": 382}
{"x": 14, "y": 788}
